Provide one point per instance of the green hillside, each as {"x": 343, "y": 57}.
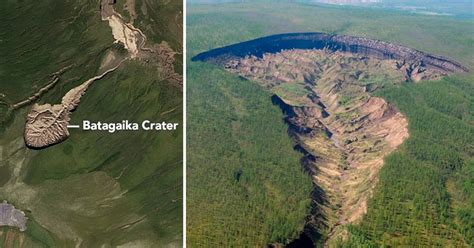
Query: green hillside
{"x": 424, "y": 196}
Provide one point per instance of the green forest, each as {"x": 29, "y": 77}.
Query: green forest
{"x": 425, "y": 194}
{"x": 245, "y": 183}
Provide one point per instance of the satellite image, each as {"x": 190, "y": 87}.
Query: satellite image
{"x": 307, "y": 123}
{"x": 91, "y": 123}
{"x": 330, "y": 124}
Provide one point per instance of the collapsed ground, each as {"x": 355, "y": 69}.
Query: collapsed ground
{"x": 326, "y": 94}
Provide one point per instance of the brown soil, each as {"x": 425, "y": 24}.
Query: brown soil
{"x": 344, "y": 131}
{"x": 324, "y": 84}
{"x": 47, "y": 124}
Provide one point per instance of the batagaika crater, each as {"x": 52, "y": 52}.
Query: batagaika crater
{"x": 324, "y": 85}
{"x": 47, "y": 124}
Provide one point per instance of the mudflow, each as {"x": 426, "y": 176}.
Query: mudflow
{"x": 48, "y": 124}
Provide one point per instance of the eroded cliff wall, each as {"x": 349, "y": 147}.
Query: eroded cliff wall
{"x": 409, "y": 58}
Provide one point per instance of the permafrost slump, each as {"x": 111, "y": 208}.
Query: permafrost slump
{"x": 47, "y": 124}
{"x": 410, "y": 60}
{"x": 323, "y": 84}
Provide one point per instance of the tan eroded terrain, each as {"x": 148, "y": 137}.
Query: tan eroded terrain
{"x": 344, "y": 132}
{"x": 135, "y": 41}
{"x": 47, "y": 124}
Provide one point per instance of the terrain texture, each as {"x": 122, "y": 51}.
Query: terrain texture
{"x": 343, "y": 131}
{"x": 64, "y": 62}
{"x": 9, "y": 216}
{"x": 412, "y": 62}
{"x": 48, "y": 124}
{"x": 417, "y": 198}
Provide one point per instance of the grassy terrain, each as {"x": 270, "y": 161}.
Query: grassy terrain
{"x": 425, "y": 194}
{"x": 95, "y": 188}
{"x": 223, "y": 24}
{"x": 292, "y": 91}
{"x": 30, "y": 55}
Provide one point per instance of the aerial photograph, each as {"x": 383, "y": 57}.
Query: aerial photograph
{"x": 330, "y": 123}
{"x": 91, "y": 123}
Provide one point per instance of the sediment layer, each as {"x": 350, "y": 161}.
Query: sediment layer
{"x": 411, "y": 60}
{"x": 135, "y": 41}
{"x": 343, "y": 131}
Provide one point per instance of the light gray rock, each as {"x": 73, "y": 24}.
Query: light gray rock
{"x": 12, "y": 217}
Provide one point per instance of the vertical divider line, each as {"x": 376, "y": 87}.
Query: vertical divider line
{"x": 184, "y": 120}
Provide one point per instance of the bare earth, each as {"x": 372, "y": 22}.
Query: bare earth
{"x": 10, "y": 216}
{"x": 343, "y": 130}
{"x": 46, "y": 124}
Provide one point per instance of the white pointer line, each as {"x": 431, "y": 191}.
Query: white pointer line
{"x": 73, "y": 126}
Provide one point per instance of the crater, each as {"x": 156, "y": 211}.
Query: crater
{"x": 409, "y": 59}
{"x": 47, "y": 124}
{"x": 324, "y": 85}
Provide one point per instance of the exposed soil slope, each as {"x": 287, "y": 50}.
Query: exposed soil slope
{"x": 125, "y": 194}
{"x": 324, "y": 88}
{"x": 412, "y": 60}
{"x": 47, "y": 124}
